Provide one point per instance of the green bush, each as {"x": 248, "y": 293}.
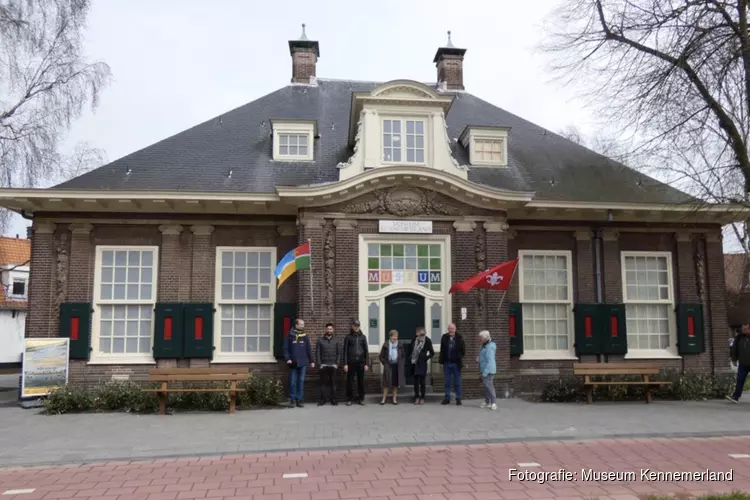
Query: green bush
{"x": 684, "y": 387}
{"x": 128, "y": 397}
{"x": 68, "y": 399}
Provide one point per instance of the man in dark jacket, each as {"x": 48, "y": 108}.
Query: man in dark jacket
{"x": 452, "y": 351}
{"x": 356, "y": 363}
{"x": 327, "y": 356}
{"x": 740, "y": 353}
{"x": 297, "y": 353}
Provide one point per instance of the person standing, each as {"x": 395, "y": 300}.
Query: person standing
{"x": 421, "y": 352}
{"x": 297, "y": 353}
{"x": 356, "y": 363}
{"x": 327, "y": 356}
{"x": 452, "y": 351}
{"x": 740, "y": 353}
{"x": 488, "y": 369}
{"x": 392, "y": 359}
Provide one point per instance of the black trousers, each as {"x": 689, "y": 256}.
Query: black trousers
{"x": 419, "y": 386}
{"x": 355, "y": 370}
{"x": 328, "y": 384}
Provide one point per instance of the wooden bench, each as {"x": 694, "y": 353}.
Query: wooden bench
{"x": 167, "y": 375}
{"x": 588, "y": 370}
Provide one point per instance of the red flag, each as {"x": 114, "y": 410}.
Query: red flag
{"x": 497, "y": 278}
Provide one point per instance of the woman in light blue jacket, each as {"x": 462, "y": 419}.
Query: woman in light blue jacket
{"x": 488, "y": 369}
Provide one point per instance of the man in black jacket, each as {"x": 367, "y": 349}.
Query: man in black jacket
{"x": 452, "y": 351}
{"x": 327, "y": 356}
{"x": 740, "y": 353}
{"x": 356, "y": 363}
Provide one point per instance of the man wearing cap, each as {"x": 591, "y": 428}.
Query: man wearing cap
{"x": 356, "y": 361}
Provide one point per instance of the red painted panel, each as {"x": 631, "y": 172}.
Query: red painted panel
{"x": 75, "y": 324}
{"x": 287, "y": 325}
{"x": 613, "y": 325}
{"x": 168, "y": 328}
{"x": 512, "y": 326}
{"x": 691, "y": 326}
{"x": 589, "y": 327}
{"x": 198, "y": 328}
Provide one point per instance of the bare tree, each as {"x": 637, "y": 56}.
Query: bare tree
{"x": 45, "y": 84}
{"x": 672, "y": 74}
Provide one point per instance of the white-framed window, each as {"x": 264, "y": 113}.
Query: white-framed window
{"x": 488, "y": 151}
{"x": 245, "y": 296}
{"x": 293, "y": 140}
{"x": 546, "y": 295}
{"x": 403, "y": 141}
{"x": 648, "y": 294}
{"x": 124, "y": 299}
{"x": 18, "y": 288}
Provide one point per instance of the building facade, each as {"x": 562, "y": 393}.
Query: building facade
{"x": 165, "y": 257}
{"x": 15, "y": 255}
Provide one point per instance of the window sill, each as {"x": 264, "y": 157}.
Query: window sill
{"x": 123, "y": 361}
{"x": 652, "y": 355}
{"x": 548, "y": 356}
{"x": 244, "y": 359}
{"x": 291, "y": 159}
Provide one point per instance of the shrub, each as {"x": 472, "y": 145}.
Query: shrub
{"x": 68, "y": 399}
{"x": 564, "y": 390}
{"x": 125, "y": 396}
{"x": 260, "y": 391}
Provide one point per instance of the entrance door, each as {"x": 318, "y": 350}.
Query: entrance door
{"x": 404, "y": 312}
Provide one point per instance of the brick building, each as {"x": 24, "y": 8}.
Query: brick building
{"x": 165, "y": 257}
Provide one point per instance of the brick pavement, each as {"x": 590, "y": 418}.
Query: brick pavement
{"x": 27, "y": 438}
{"x": 456, "y": 472}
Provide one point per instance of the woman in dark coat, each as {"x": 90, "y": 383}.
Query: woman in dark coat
{"x": 421, "y": 352}
{"x": 392, "y": 359}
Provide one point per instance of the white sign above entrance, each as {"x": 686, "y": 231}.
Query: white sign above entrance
{"x": 405, "y": 226}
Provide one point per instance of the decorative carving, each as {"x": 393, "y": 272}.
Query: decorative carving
{"x": 84, "y": 228}
{"x": 403, "y": 91}
{"x": 345, "y": 223}
{"x": 202, "y": 230}
{"x": 357, "y": 138}
{"x": 496, "y": 226}
{"x": 171, "y": 229}
{"x": 402, "y": 203}
{"x": 450, "y": 150}
{"x": 329, "y": 252}
{"x": 61, "y": 251}
{"x": 464, "y": 226}
{"x": 700, "y": 273}
{"x": 44, "y": 227}
{"x": 480, "y": 255}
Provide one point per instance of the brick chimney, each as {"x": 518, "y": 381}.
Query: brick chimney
{"x": 305, "y": 54}
{"x": 449, "y": 61}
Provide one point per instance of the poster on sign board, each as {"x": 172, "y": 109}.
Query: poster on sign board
{"x": 45, "y": 366}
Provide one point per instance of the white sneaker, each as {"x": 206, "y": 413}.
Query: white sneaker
{"x": 483, "y": 405}
{"x": 493, "y": 407}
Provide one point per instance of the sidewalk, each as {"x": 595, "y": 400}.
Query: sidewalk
{"x": 457, "y": 472}
{"x": 29, "y": 438}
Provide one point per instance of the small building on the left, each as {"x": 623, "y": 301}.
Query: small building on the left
{"x": 15, "y": 255}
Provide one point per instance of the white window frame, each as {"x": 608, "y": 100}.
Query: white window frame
{"x": 403, "y": 120}
{"x": 471, "y": 135}
{"x": 671, "y": 351}
{"x": 25, "y": 294}
{"x": 121, "y": 358}
{"x": 244, "y": 357}
{"x": 558, "y": 354}
{"x": 282, "y": 127}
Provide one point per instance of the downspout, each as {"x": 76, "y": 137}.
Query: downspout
{"x": 598, "y": 273}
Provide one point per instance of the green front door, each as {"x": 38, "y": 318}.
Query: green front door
{"x": 404, "y": 312}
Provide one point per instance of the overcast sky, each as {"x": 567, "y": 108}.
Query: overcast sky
{"x": 177, "y": 63}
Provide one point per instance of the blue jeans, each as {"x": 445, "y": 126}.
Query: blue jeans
{"x": 742, "y": 372}
{"x": 450, "y": 370}
{"x": 297, "y": 383}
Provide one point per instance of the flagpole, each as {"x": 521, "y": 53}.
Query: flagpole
{"x": 312, "y": 289}
{"x": 505, "y": 292}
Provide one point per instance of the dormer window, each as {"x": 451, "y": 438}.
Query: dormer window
{"x": 18, "y": 289}
{"x": 487, "y": 146}
{"x": 293, "y": 140}
{"x": 403, "y": 141}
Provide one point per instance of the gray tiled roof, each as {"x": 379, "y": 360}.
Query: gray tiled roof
{"x": 200, "y": 158}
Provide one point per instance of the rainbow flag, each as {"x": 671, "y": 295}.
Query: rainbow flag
{"x": 296, "y": 259}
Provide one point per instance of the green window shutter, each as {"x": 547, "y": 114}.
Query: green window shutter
{"x": 199, "y": 330}
{"x": 283, "y": 319}
{"x": 690, "y": 337}
{"x": 614, "y": 329}
{"x": 75, "y": 324}
{"x": 168, "y": 330}
{"x": 515, "y": 328}
{"x": 588, "y": 328}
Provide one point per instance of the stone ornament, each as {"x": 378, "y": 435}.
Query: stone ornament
{"x": 357, "y": 138}
{"x": 62, "y": 271}
{"x": 329, "y": 253}
{"x": 480, "y": 255}
{"x": 402, "y": 203}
